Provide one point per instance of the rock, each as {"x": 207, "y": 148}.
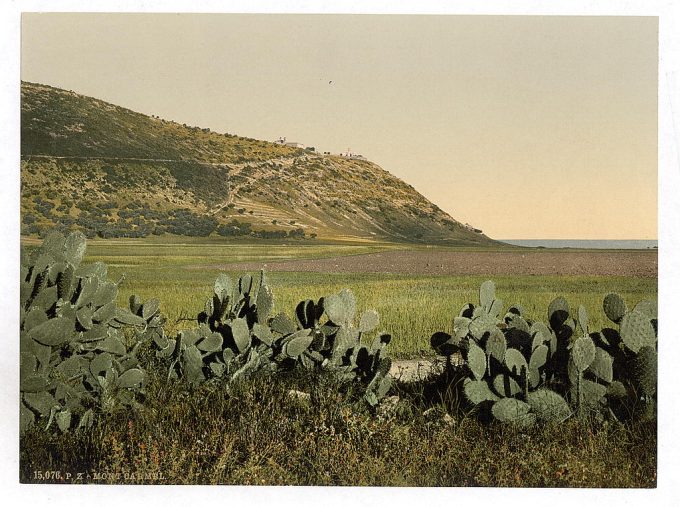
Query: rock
{"x": 300, "y": 396}
{"x": 387, "y": 408}
{"x": 436, "y": 415}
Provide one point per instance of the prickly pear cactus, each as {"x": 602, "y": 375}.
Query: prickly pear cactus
{"x": 633, "y": 356}
{"x": 236, "y": 338}
{"x": 548, "y": 406}
{"x": 347, "y": 350}
{"x": 637, "y": 331}
{"x": 587, "y": 395}
{"x": 232, "y": 340}
{"x": 538, "y": 367}
{"x": 76, "y": 361}
{"x": 513, "y": 411}
{"x": 614, "y": 307}
{"x": 644, "y": 371}
{"x": 506, "y": 361}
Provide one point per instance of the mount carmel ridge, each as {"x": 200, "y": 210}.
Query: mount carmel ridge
{"x": 112, "y": 172}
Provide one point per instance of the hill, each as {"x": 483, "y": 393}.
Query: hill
{"x": 109, "y": 171}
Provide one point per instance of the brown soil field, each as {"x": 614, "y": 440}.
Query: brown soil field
{"x": 441, "y": 262}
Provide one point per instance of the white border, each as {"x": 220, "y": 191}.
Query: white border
{"x": 667, "y": 492}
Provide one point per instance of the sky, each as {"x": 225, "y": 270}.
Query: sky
{"x": 527, "y": 127}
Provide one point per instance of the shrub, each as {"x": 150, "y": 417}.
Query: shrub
{"x": 28, "y": 218}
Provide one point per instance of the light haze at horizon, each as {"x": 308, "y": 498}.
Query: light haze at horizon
{"x": 525, "y": 127}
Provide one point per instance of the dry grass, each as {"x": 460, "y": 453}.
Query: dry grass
{"x": 259, "y": 435}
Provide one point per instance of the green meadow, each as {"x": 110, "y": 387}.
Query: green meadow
{"x": 181, "y": 273}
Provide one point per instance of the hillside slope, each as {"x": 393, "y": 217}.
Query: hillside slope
{"x": 110, "y": 171}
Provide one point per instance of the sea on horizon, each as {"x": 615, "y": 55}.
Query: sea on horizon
{"x": 618, "y": 244}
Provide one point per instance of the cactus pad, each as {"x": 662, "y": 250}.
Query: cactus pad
{"x": 150, "y": 308}
{"x": 591, "y": 393}
{"x": 506, "y": 386}
{"x": 341, "y": 307}
{"x": 648, "y": 308}
{"x": 241, "y": 334}
{"x": 583, "y": 319}
{"x": 537, "y": 362}
{"x": 211, "y": 343}
{"x": 282, "y": 324}
{"x": 476, "y": 361}
{"x": 583, "y": 353}
{"x": 481, "y": 325}
{"x": 538, "y": 357}
{"x": 496, "y": 308}
{"x": 369, "y": 321}
{"x": 63, "y": 419}
{"x": 477, "y": 391}
{"x": 43, "y": 402}
{"x": 614, "y": 307}
{"x": 131, "y": 378}
{"x": 558, "y": 312}
{"x": 540, "y": 334}
{"x": 223, "y": 287}
{"x": 645, "y": 370}
{"x": 602, "y": 366}
{"x": 548, "y": 405}
{"x": 461, "y": 327}
{"x": 53, "y": 331}
{"x": 487, "y": 294}
{"x": 514, "y": 412}
{"x": 515, "y": 362}
{"x": 637, "y": 331}
{"x": 617, "y": 390}
{"x": 517, "y": 322}
{"x": 192, "y": 364}
{"x": 496, "y": 345}
{"x": 264, "y": 303}
{"x": 298, "y": 343}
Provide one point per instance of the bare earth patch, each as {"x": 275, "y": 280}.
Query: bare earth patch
{"x": 539, "y": 262}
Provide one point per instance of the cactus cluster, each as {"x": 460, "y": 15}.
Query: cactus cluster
{"x": 526, "y": 371}
{"x": 75, "y": 359}
{"x": 231, "y": 339}
{"x": 589, "y": 370}
{"x": 507, "y": 361}
{"x": 632, "y": 349}
{"x": 340, "y": 346}
{"x": 236, "y": 337}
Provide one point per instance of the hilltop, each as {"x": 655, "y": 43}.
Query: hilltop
{"x": 109, "y": 171}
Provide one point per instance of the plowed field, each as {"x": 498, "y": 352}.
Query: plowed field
{"x": 442, "y": 262}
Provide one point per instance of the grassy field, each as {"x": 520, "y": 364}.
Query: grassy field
{"x": 257, "y": 434}
{"x": 411, "y": 307}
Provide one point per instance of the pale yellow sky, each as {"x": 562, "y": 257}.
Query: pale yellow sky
{"x": 526, "y": 127}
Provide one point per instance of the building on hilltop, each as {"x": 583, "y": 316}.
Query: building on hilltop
{"x": 349, "y": 154}
{"x": 292, "y": 144}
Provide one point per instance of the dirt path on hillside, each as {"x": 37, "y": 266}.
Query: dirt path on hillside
{"x": 549, "y": 262}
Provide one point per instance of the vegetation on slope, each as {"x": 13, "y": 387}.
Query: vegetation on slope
{"x": 110, "y": 172}
{"x": 60, "y": 122}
